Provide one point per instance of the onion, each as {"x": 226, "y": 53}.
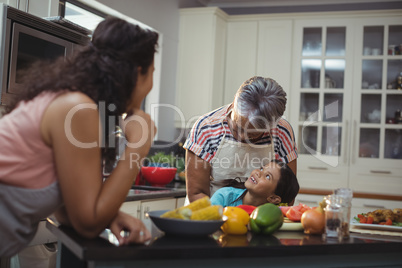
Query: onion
{"x": 313, "y": 221}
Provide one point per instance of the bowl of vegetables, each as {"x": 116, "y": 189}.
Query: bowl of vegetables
{"x": 182, "y": 227}
{"x": 199, "y": 218}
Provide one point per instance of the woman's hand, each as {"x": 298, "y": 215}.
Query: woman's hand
{"x": 138, "y": 233}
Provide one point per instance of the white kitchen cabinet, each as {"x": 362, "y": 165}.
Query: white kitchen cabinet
{"x": 376, "y": 137}
{"x": 320, "y": 110}
{"x": 40, "y": 8}
{"x": 308, "y": 199}
{"x": 341, "y": 108}
{"x": 132, "y": 207}
{"x": 180, "y": 202}
{"x": 241, "y": 56}
{"x": 158, "y": 204}
{"x": 274, "y": 52}
{"x": 260, "y": 48}
{"x": 202, "y": 46}
{"x": 139, "y": 209}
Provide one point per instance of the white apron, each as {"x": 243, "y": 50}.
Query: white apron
{"x": 236, "y": 159}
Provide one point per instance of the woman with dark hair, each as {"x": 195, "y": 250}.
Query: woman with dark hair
{"x": 55, "y": 137}
{"x": 273, "y": 183}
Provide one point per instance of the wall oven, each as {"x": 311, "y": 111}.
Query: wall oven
{"x": 26, "y": 38}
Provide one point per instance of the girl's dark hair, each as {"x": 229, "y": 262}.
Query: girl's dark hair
{"x": 287, "y": 187}
{"x": 105, "y": 70}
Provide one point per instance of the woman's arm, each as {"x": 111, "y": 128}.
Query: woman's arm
{"x": 198, "y": 173}
{"x": 75, "y": 135}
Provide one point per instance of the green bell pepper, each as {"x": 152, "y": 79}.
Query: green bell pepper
{"x": 266, "y": 219}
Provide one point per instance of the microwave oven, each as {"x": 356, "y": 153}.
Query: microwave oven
{"x": 25, "y": 38}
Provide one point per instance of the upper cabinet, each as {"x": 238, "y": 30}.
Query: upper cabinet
{"x": 346, "y": 102}
{"x": 376, "y": 152}
{"x": 322, "y": 85}
{"x": 217, "y": 54}
{"x": 40, "y": 8}
{"x": 252, "y": 50}
{"x": 201, "y": 63}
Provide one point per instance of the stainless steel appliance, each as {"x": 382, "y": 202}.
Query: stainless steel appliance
{"x": 26, "y": 38}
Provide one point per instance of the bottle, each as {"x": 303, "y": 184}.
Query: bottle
{"x": 333, "y": 217}
{"x": 398, "y": 117}
{"x": 399, "y": 81}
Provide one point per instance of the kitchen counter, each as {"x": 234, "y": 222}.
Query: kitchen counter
{"x": 284, "y": 248}
{"x": 143, "y": 192}
{"x": 355, "y": 194}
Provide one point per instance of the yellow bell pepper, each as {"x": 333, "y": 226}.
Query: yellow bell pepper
{"x": 237, "y": 221}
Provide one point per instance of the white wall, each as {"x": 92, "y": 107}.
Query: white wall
{"x": 163, "y": 16}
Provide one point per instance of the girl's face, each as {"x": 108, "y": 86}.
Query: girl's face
{"x": 142, "y": 88}
{"x": 262, "y": 182}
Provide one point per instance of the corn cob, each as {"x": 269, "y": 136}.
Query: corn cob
{"x": 199, "y": 204}
{"x": 185, "y": 212}
{"x": 179, "y": 213}
{"x": 208, "y": 214}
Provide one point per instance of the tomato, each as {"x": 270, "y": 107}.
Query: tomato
{"x": 388, "y": 222}
{"x": 370, "y": 220}
{"x": 284, "y": 210}
{"x": 295, "y": 212}
{"x": 304, "y": 207}
{"x": 363, "y": 220}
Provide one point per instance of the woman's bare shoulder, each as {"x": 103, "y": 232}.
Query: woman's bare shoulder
{"x": 73, "y": 98}
{"x": 70, "y": 106}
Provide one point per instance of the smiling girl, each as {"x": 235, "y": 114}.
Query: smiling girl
{"x": 273, "y": 183}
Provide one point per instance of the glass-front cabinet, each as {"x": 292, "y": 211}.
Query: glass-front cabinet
{"x": 376, "y": 156}
{"x": 321, "y": 101}
{"x": 346, "y": 102}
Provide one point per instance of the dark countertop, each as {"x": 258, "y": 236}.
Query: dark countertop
{"x": 143, "y": 192}
{"x": 221, "y": 250}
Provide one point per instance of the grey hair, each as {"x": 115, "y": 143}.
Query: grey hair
{"x": 261, "y": 100}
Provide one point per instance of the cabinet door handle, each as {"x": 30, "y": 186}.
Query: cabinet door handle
{"x": 345, "y": 146}
{"x": 318, "y": 168}
{"x": 372, "y": 206}
{"x": 146, "y": 210}
{"x": 27, "y": 6}
{"x": 380, "y": 171}
{"x": 139, "y": 211}
{"x": 354, "y": 141}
